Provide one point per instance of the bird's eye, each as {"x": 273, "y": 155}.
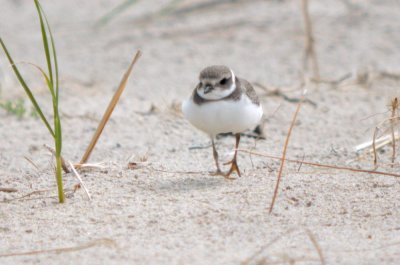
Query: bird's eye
{"x": 223, "y": 81}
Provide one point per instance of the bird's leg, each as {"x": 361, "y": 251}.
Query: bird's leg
{"x": 233, "y": 162}
{"x": 215, "y": 155}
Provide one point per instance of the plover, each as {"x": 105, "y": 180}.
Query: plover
{"x": 223, "y": 103}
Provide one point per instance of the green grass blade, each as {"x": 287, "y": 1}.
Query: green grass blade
{"x": 27, "y": 89}
{"x": 45, "y": 42}
{"x": 58, "y": 138}
{"x": 171, "y": 6}
{"x": 60, "y": 188}
{"x": 54, "y": 88}
{"x": 45, "y": 27}
{"x": 114, "y": 12}
{"x": 53, "y": 48}
{"x": 42, "y": 72}
{"x": 54, "y": 82}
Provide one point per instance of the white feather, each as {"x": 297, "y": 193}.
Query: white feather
{"x": 223, "y": 116}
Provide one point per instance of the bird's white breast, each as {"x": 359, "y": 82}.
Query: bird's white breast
{"x": 223, "y": 116}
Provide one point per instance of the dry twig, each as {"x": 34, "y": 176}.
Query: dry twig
{"x": 333, "y": 82}
{"x": 109, "y": 109}
{"x": 284, "y": 153}
{"x": 324, "y": 165}
{"x": 63, "y": 164}
{"x": 393, "y": 134}
{"x": 273, "y": 241}
{"x": 379, "y": 143}
{"x": 99, "y": 242}
{"x": 395, "y": 106}
{"x": 264, "y": 261}
{"x": 316, "y": 245}
{"x": 88, "y": 166}
{"x": 9, "y": 190}
{"x": 80, "y": 179}
{"x": 309, "y": 52}
{"x": 27, "y": 195}
{"x": 32, "y": 163}
{"x": 278, "y": 92}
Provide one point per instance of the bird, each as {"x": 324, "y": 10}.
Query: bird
{"x": 223, "y": 103}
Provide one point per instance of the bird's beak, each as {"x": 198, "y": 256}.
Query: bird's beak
{"x": 208, "y": 89}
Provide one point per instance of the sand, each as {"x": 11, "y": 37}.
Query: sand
{"x": 168, "y": 209}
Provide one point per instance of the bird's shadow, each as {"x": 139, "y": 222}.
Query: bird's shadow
{"x": 191, "y": 183}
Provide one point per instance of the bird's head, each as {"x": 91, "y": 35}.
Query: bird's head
{"x": 216, "y": 82}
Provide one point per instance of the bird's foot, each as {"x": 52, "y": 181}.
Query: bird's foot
{"x": 234, "y": 168}
{"x": 218, "y": 172}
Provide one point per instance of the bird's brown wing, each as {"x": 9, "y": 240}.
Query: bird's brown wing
{"x": 249, "y": 91}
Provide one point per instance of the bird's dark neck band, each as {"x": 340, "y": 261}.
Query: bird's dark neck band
{"x": 235, "y": 95}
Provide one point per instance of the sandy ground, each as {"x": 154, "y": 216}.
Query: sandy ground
{"x": 157, "y": 213}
